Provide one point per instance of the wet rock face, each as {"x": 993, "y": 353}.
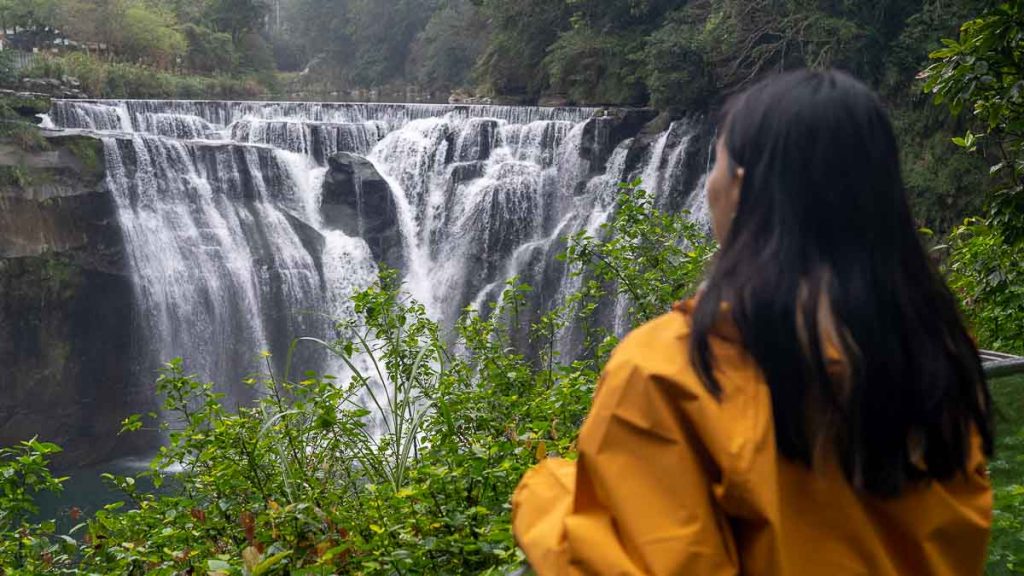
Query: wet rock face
{"x": 358, "y": 201}
{"x": 604, "y": 132}
{"x": 65, "y": 304}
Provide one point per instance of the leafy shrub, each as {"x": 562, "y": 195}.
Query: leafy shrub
{"x": 987, "y": 274}
{"x": 979, "y": 72}
{"x": 25, "y": 475}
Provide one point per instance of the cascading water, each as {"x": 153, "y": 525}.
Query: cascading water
{"x": 232, "y": 251}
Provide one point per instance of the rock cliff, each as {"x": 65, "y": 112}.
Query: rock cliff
{"x": 65, "y": 301}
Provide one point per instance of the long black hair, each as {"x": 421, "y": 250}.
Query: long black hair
{"x": 826, "y": 278}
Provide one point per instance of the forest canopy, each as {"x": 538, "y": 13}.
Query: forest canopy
{"x": 666, "y": 53}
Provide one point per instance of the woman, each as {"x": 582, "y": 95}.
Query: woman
{"x": 818, "y": 409}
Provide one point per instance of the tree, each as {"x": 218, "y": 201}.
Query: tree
{"x": 150, "y": 35}
{"x": 521, "y": 34}
{"x": 677, "y": 67}
{"x": 445, "y": 53}
{"x": 209, "y": 51}
{"x": 597, "y": 68}
{"x": 383, "y": 33}
{"x": 236, "y": 17}
{"x": 32, "y": 14}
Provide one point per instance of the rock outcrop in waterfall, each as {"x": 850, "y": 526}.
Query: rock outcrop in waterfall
{"x": 358, "y": 201}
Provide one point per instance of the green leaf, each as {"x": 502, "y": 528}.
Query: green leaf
{"x": 269, "y": 563}
{"x": 218, "y": 565}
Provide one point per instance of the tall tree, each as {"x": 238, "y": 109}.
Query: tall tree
{"x": 521, "y": 33}
{"x": 445, "y": 53}
{"x": 237, "y": 17}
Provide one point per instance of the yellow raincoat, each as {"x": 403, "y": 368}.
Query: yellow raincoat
{"x": 670, "y": 480}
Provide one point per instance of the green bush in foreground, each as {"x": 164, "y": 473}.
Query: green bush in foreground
{"x": 981, "y": 72}
{"x": 405, "y": 466}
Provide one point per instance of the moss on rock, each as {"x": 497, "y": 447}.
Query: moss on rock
{"x": 89, "y": 153}
{"x": 25, "y": 104}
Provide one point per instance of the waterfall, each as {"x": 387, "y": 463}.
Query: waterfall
{"x": 231, "y": 254}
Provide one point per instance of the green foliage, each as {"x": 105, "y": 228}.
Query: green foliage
{"x": 16, "y": 110}
{"x": 683, "y": 54}
{"x": 592, "y": 68}
{"x": 943, "y": 184}
{"x": 653, "y": 258}
{"x": 254, "y": 54}
{"x": 25, "y": 547}
{"x": 137, "y": 42}
{"x": 986, "y": 272}
{"x": 1007, "y": 470}
{"x": 23, "y": 106}
{"x": 29, "y": 13}
{"x": 89, "y": 153}
{"x": 147, "y": 34}
{"x": 382, "y": 34}
{"x": 134, "y": 30}
{"x": 446, "y": 52}
{"x": 25, "y": 136}
{"x": 368, "y": 43}
{"x": 236, "y": 17}
{"x": 15, "y": 176}
{"x": 678, "y": 72}
{"x": 404, "y": 465}
{"x": 981, "y": 71}
{"x": 511, "y": 65}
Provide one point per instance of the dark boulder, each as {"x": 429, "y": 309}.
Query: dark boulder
{"x": 628, "y": 122}
{"x": 358, "y": 201}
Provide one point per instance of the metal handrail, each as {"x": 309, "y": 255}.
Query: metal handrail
{"x": 997, "y": 364}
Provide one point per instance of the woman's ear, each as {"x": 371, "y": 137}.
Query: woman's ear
{"x": 735, "y": 187}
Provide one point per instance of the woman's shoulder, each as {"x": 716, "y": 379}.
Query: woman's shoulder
{"x": 651, "y": 371}
{"x": 660, "y": 351}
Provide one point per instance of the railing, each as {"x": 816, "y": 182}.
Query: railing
{"x": 21, "y": 60}
{"x": 998, "y": 364}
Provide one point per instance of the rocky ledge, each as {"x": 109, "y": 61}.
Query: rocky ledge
{"x": 64, "y": 87}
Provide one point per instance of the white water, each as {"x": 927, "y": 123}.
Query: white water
{"x": 219, "y": 204}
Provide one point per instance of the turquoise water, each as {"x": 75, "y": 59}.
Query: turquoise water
{"x": 86, "y": 491}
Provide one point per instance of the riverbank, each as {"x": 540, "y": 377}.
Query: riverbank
{"x": 98, "y": 78}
